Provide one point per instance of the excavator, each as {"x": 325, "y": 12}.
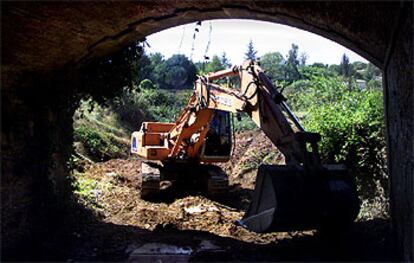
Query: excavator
{"x": 302, "y": 194}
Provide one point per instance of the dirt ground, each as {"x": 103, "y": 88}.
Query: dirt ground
{"x": 112, "y": 222}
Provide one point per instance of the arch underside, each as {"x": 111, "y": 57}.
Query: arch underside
{"x": 74, "y": 33}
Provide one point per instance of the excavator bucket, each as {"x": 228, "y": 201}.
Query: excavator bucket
{"x": 289, "y": 197}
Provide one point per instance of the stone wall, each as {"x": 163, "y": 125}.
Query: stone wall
{"x": 36, "y": 145}
{"x": 399, "y": 104}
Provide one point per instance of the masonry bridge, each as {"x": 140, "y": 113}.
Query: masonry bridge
{"x": 46, "y": 46}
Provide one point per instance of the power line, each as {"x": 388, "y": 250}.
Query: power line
{"x": 181, "y": 41}
{"x": 208, "y": 42}
{"x": 196, "y": 30}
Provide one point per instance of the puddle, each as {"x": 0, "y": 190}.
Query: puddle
{"x": 160, "y": 252}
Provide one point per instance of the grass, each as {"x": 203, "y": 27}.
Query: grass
{"x": 95, "y": 127}
{"x": 89, "y": 190}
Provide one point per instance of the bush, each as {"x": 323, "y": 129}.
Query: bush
{"x": 134, "y": 106}
{"x": 99, "y": 145}
{"x": 89, "y": 190}
{"x": 86, "y": 189}
{"x": 352, "y": 128}
{"x": 244, "y": 124}
{"x": 351, "y": 123}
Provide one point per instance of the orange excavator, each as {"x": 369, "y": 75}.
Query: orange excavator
{"x": 302, "y": 194}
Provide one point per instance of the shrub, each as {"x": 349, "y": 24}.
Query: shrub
{"x": 99, "y": 145}
{"x": 245, "y": 123}
{"x": 134, "y": 106}
{"x": 352, "y": 127}
{"x": 350, "y": 121}
{"x": 89, "y": 190}
{"x": 86, "y": 189}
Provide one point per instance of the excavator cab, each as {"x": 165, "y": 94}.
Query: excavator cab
{"x": 218, "y": 143}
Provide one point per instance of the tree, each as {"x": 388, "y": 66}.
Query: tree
{"x": 158, "y": 67}
{"x": 371, "y": 72}
{"x": 358, "y": 65}
{"x": 345, "y": 68}
{"x": 214, "y": 65}
{"x": 146, "y": 84}
{"x": 251, "y": 52}
{"x": 180, "y": 72}
{"x": 292, "y": 63}
{"x": 105, "y": 78}
{"x": 205, "y": 67}
{"x": 225, "y": 61}
{"x": 334, "y": 68}
{"x": 303, "y": 58}
{"x": 319, "y": 65}
{"x": 142, "y": 70}
{"x": 272, "y": 64}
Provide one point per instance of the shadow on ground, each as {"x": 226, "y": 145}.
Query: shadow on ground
{"x": 85, "y": 237}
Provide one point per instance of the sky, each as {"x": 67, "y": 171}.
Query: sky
{"x": 232, "y": 37}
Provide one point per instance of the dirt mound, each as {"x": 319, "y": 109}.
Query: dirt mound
{"x": 178, "y": 228}
{"x": 252, "y": 148}
{"x": 115, "y": 194}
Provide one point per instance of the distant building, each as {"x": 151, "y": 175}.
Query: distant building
{"x": 378, "y": 78}
{"x": 361, "y": 83}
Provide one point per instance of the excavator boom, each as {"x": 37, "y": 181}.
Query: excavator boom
{"x": 257, "y": 97}
{"x": 302, "y": 194}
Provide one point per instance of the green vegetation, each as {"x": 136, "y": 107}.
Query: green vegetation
{"x": 141, "y": 103}
{"x": 89, "y": 190}
{"x": 95, "y": 142}
{"x": 327, "y": 98}
{"x": 257, "y": 158}
{"x": 251, "y": 52}
{"x": 351, "y": 124}
{"x": 244, "y": 123}
{"x": 86, "y": 189}
{"x": 97, "y": 133}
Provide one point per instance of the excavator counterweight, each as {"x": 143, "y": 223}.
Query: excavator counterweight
{"x": 302, "y": 194}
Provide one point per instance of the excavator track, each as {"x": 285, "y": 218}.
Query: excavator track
{"x": 210, "y": 180}
{"x": 217, "y": 181}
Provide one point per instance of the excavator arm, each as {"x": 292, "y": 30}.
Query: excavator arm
{"x": 257, "y": 97}
{"x": 260, "y": 100}
{"x": 302, "y": 194}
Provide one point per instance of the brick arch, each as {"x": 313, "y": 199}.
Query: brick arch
{"x": 58, "y": 34}
{"x": 43, "y": 41}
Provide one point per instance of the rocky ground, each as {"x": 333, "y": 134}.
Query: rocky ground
{"x": 114, "y": 224}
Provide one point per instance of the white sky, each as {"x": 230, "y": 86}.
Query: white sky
{"x": 232, "y": 37}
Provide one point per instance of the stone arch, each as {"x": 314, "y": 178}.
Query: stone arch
{"x": 44, "y": 44}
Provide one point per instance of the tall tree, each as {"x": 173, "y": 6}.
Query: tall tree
{"x": 272, "y": 64}
{"x": 144, "y": 69}
{"x": 158, "y": 69}
{"x": 251, "y": 52}
{"x": 292, "y": 63}
{"x": 345, "y": 67}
